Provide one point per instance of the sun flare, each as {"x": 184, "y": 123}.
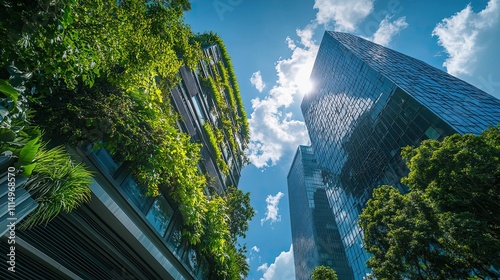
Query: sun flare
{"x": 304, "y": 83}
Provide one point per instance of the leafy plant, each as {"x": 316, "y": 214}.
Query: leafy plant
{"x": 57, "y": 184}
{"x": 240, "y": 212}
{"x": 211, "y": 38}
{"x": 324, "y": 273}
{"x": 214, "y": 142}
{"x": 16, "y": 134}
{"x": 447, "y": 226}
{"x": 9, "y": 91}
{"x": 77, "y": 42}
{"x": 27, "y": 156}
{"x": 54, "y": 181}
{"x": 102, "y": 72}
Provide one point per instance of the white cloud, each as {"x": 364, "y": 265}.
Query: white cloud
{"x": 282, "y": 268}
{"x": 273, "y": 129}
{"x": 387, "y": 30}
{"x": 463, "y": 34}
{"x": 256, "y": 249}
{"x": 346, "y": 14}
{"x": 263, "y": 267}
{"x": 257, "y": 82}
{"x": 272, "y": 208}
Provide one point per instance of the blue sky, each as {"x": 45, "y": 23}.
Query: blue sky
{"x": 273, "y": 46}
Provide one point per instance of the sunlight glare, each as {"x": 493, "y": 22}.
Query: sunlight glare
{"x": 303, "y": 82}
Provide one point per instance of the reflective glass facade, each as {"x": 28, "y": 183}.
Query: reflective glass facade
{"x": 369, "y": 102}
{"x": 315, "y": 236}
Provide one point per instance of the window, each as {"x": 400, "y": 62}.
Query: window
{"x": 432, "y": 133}
{"x": 192, "y": 259}
{"x": 174, "y": 241}
{"x": 160, "y": 215}
{"x": 134, "y": 192}
{"x": 198, "y": 108}
{"x": 106, "y": 160}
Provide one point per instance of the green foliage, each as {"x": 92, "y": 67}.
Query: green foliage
{"x": 402, "y": 233}
{"x": 15, "y": 130}
{"x": 219, "y": 99}
{"x": 165, "y": 158}
{"x": 57, "y": 184}
{"x": 447, "y": 226}
{"x": 54, "y": 181}
{"x": 229, "y": 221}
{"x": 27, "y": 155}
{"x": 461, "y": 174}
{"x": 8, "y": 91}
{"x": 16, "y": 134}
{"x": 240, "y": 212}
{"x": 228, "y": 125}
{"x": 227, "y": 112}
{"x": 324, "y": 273}
{"x": 216, "y": 229}
{"x": 101, "y": 73}
{"x": 129, "y": 42}
{"x": 215, "y": 140}
{"x": 229, "y": 90}
{"x": 178, "y": 4}
{"x": 234, "y": 267}
{"x": 211, "y": 38}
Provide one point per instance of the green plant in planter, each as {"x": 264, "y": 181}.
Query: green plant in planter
{"x": 57, "y": 184}
{"x": 214, "y": 142}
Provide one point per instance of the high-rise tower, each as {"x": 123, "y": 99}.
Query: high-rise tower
{"x": 370, "y": 101}
{"x": 315, "y": 236}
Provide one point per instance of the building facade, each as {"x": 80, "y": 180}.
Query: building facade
{"x": 368, "y": 102}
{"x": 315, "y": 236}
{"x": 124, "y": 233}
{"x": 200, "y": 109}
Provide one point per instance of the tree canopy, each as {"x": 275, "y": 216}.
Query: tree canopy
{"x": 324, "y": 273}
{"x": 447, "y": 226}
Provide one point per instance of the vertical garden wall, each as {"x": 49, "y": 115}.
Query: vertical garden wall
{"x": 108, "y": 66}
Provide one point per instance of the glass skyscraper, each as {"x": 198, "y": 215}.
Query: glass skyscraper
{"x": 368, "y": 102}
{"x": 315, "y": 236}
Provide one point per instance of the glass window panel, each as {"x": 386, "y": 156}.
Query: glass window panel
{"x": 421, "y": 122}
{"x": 198, "y": 108}
{"x": 192, "y": 259}
{"x": 432, "y": 133}
{"x": 204, "y": 269}
{"x": 106, "y": 160}
{"x": 160, "y": 215}
{"x": 174, "y": 241}
{"x": 135, "y": 192}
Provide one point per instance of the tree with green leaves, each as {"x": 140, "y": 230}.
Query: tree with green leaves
{"x": 448, "y": 225}
{"x": 402, "y": 234}
{"x": 240, "y": 212}
{"x": 227, "y": 220}
{"x": 324, "y": 273}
